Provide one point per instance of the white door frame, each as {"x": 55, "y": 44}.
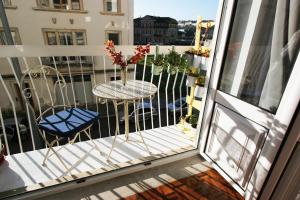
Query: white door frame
{"x": 276, "y": 123}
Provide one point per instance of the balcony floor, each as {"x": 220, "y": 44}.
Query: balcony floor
{"x": 24, "y": 172}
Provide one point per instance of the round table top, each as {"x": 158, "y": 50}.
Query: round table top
{"x": 133, "y": 90}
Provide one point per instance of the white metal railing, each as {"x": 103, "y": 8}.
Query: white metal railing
{"x": 81, "y": 78}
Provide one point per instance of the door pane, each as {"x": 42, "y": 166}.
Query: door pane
{"x": 258, "y": 73}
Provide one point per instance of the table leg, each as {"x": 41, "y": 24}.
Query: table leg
{"x": 139, "y": 128}
{"x": 117, "y": 131}
{"x": 126, "y": 116}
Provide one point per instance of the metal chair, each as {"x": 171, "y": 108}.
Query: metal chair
{"x": 42, "y": 86}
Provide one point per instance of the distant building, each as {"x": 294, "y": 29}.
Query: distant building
{"x": 187, "y": 30}
{"x": 155, "y": 30}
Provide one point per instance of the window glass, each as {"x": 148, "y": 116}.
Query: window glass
{"x": 79, "y": 38}
{"x": 65, "y": 38}
{"x": 114, "y": 37}
{"x": 257, "y": 66}
{"x": 75, "y": 4}
{"x": 14, "y": 34}
{"x": 51, "y": 38}
{"x": 60, "y": 4}
{"x": 44, "y": 3}
{"x": 112, "y": 5}
{"x": 6, "y": 2}
{"x": 2, "y": 38}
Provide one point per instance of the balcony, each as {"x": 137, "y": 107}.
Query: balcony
{"x": 83, "y": 67}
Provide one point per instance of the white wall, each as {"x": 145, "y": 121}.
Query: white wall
{"x": 30, "y": 21}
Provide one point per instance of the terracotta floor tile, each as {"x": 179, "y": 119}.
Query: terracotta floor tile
{"x": 203, "y": 186}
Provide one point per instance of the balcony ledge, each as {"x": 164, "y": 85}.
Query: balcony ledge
{"x": 12, "y": 7}
{"x": 60, "y": 10}
{"x": 23, "y": 172}
{"x": 112, "y": 13}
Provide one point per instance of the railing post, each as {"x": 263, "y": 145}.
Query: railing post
{"x": 17, "y": 70}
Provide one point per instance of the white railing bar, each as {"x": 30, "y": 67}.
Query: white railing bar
{"x": 34, "y": 88}
{"x": 46, "y": 81}
{"x": 58, "y": 79}
{"x": 180, "y": 92}
{"x": 83, "y": 82}
{"x": 27, "y": 109}
{"x": 14, "y": 112}
{"x": 158, "y": 98}
{"x": 86, "y": 50}
{"x": 13, "y": 70}
{"x": 173, "y": 89}
{"x": 59, "y": 83}
{"x": 135, "y": 102}
{"x": 4, "y": 133}
{"x": 144, "y": 71}
{"x": 107, "y": 113}
{"x": 152, "y": 68}
{"x": 97, "y": 106}
{"x": 35, "y": 93}
{"x": 166, "y": 95}
{"x": 30, "y": 126}
{"x": 71, "y": 81}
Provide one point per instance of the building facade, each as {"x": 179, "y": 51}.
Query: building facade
{"x": 70, "y": 22}
{"x": 155, "y": 30}
{"x": 66, "y": 22}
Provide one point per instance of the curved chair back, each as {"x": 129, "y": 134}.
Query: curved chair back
{"x": 42, "y": 87}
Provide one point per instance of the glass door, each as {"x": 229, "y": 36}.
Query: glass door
{"x": 254, "y": 62}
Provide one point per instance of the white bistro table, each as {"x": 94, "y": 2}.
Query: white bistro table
{"x": 132, "y": 92}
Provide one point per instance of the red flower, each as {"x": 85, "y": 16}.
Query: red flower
{"x": 118, "y": 58}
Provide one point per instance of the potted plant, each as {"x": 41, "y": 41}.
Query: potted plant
{"x": 199, "y": 89}
{"x": 119, "y": 59}
{"x": 189, "y": 121}
{"x": 171, "y": 63}
{"x": 198, "y": 58}
{"x": 192, "y": 75}
{"x": 193, "y": 120}
{"x": 158, "y": 64}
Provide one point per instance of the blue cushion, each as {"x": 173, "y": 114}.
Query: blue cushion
{"x": 68, "y": 122}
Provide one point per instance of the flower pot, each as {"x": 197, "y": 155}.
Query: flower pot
{"x": 190, "y": 81}
{"x": 156, "y": 70}
{"x": 197, "y": 60}
{"x": 2, "y": 153}
{"x": 204, "y": 63}
{"x": 199, "y": 91}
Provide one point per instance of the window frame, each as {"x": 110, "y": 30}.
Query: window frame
{"x": 107, "y": 32}
{"x": 57, "y": 31}
{"x": 17, "y": 38}
{"x": 69, "y": 6}
{"x": 106, "y": 12}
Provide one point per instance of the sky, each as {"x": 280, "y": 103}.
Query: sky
{"x": 177, "y": 9}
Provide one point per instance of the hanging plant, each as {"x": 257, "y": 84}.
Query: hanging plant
{"x": 158, "y": 63}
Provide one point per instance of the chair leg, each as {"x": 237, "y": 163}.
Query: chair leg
{"x": 50, "y": 147}
{"x": 62, "y": 162}
{"x": 75, "y": 137}
{"x": 90, "y": 138}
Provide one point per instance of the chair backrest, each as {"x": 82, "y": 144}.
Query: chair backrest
{"x": 41, "y": 87}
